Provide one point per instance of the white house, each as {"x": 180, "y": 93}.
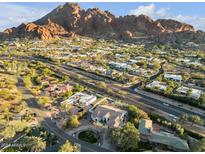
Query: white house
{"x": 195, "y": 63}
{"x": 120, "y": 66}
{"x": 132, "y": 61}
{"x": 81, "y": 99}
{"x": 195, "y": 93}
{"x": 157, "y": 84}
{"x": 173, "y": 77}
{"x": 183, "y": 60}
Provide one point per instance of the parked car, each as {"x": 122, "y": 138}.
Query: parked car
{"x": 165, "y": 104}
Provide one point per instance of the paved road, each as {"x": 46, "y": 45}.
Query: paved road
{"x": 147, "y": 103}
{"x": 149, "y": 100}
{"x": 45, "y": 120}
{"x": 170, "y": 102}
{"x": 9, "y": 142}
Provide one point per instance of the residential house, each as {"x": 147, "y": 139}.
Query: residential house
{"x": 51, "y": 88}
{"x": 156, "y": 84}
{"x": 120, "y": 66}
{"x": 56, "y": 90}
{"x": 195, "y": 93}
{"x": 173, "y": 77}
{"x": 184, "y": 60}
{"x": 109, "y": 116}
{"x": 48, "y": 80}
{"x": 76, "y": 48}
{"x": 157, "y": 136}
{"x": 81, "y": 99}
{"x": 132, "y": 61}
{"x": 113, "y": 73}
{"x": 143, "y": 72}
{"x": 140, "y": 58}
{"x": 120, "y": 55}
{"x": 17, "y": 117}
{"x": 192, "y": 44}
{"x": 163, "y": 53}
{"x": 195, "y": 63}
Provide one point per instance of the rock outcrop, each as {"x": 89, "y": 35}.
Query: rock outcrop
{"x": 174, "y": 26}
{"x": 31, "y": 30}
{"x": 69, "y": 19}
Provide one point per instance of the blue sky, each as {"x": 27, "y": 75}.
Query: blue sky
{"x": 13, "y": 14}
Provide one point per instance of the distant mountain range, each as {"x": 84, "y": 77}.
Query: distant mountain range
{"x": 70, "y": 20}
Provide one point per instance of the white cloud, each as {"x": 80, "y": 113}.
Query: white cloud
{"x": 150, "y": 10}
{"x": 147, "y": 10}
{"x": 13, "y": 15}
{"x": 157, "y": 13}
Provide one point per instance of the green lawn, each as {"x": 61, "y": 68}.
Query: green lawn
{"x": 88, "y": 136}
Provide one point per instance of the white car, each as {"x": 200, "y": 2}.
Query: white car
{"x": 173, "y": 117}
{"x": 165, "y": 104}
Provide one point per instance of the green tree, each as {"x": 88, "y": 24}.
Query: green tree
{"x": 8, "y": 132}
{"x": 127, "y": 138}
{"x": 185, "y": 76}
{"x": 198, "y": 146}
{"x": 196, "y": 120}
{"x": 79, "y": 88}
{"x": 180, "y": 129}
{"x": 156, "y": 66}
{"x": 66, "y": 106}
{"x": 5, "y": 107}
{"x": 160, "y": 78}
{"x": 109, "y": 90}
{"x": 168, "y": 90}
{"x": 69, "y": 147}
{"x": 27, "y": 81}
{"x": 140, "y": 115}
{"x": 102, "y": 85}
{"x": 19, "y": 107}
{"x": 44, "y": 100}
{"x": 189, "y": 92}
{"x": 7, "y": 94}
{"x": 68, "y": 93}
{"x": 18, "y": 125}
{"x": 184, "y": 117}
{"x": 202, "y": 145}
{"x": 136, "y": 114}
{"x": 202, "y": 99}
{"x": 36, "y": 144}
{"x": 74, "y": 121}
{"x": 32, "y": 72}
{"x": 46, "y": 72}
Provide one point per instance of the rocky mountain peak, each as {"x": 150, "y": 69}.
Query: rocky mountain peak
{"x": 71, "y": 19}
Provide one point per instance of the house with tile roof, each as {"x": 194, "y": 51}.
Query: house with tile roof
{"x": 109, "y": 116}
{"x": 149, "y": 134}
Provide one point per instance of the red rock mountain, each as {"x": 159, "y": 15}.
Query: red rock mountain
{"x": 69, "y": 19}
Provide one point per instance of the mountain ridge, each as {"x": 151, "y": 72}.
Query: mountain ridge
{"x": 69, "y": 19}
